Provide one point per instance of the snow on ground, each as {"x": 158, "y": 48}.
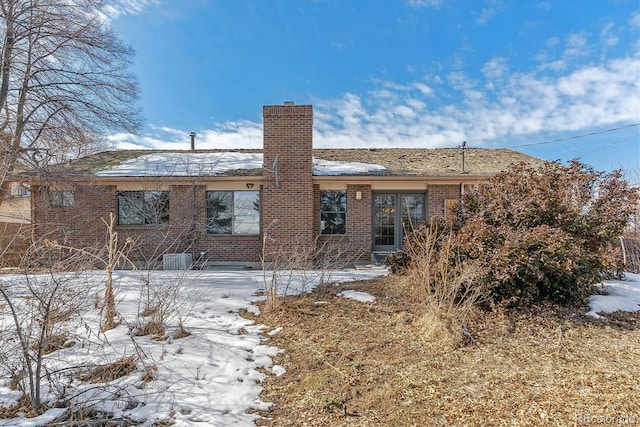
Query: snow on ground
{"x": 357, "y": 295}
{"x": 623, "y": 295}
{"x": 211, "y": 377}
{"x": 213, "y": 164}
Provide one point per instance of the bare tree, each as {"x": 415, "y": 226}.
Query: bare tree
{"x": 64, "y": 81}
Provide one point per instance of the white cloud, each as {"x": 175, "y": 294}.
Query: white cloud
{"x": 495, "y": 68}
{"x": 486, "y": 14}
{"x": 404, "y": 111}
{"x": 425, "y": 3}
{"x": 634, "y": 22}
{"x": 544, "y": 6}
{"x": 553, "y": 41}
{"x": 390, "y": 87}
{"x": 608, "y": 36}
{"x": 423, "y": 88}
{"x": 527, "y": 103}
{"x": 559, "y": 65}
{"x": 576, "y": 45}
{"x": 116, "y": 8}
{"x": 558, "y": 96}
{"x": 243, "y": 134}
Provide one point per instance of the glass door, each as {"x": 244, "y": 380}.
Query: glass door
{"x": 395, "y": 214}
{"x": 384, "y": 222}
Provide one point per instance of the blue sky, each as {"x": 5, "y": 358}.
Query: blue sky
{"x": 559, "y": 79}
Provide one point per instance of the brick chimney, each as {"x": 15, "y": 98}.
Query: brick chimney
{"x": 287, "y": 196}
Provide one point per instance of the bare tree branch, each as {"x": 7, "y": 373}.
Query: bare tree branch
{"x": 64, "y": 81}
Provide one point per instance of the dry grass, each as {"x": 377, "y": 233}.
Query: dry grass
{"x": 111, "y": 371}
{"x": 355, "y": 364}
{"x": 155, "y": 329}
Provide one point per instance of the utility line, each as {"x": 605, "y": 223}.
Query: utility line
{"x": 574, "y": 137}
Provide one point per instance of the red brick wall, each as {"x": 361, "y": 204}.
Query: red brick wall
{"x": 295, "y": 206}
{"x": 14, "y": 242}
{"x": 436, "y": 195}
{"x": 359, "y": 226}
{"x": 79, "y": 225}
{"x": 288, "y": 212}
{"x": 355, "y": 245}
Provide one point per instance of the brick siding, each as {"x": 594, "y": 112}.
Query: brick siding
{"x": 436, "y": 196}
{"x": 14, "y": 243}
{"x": 289, "y": 211}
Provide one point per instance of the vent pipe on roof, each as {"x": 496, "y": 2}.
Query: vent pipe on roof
{"x": 462, "y": 147}
{"x": 193, "y": 140}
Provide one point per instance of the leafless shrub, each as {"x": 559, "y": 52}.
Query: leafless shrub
{"x": 630, "y": 240}
{"x": 110, "y": 256}
{"x": 36, "y": 312}
{"x": 163, "y": 303}
{"x": 443, "y": 282}
{"x": 155, "y": 329}
{"x": 290, "y": 266}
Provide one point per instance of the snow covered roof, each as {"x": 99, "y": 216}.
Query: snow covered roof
{"x": 219, "y": 164}
{"x": 400, "y": 162}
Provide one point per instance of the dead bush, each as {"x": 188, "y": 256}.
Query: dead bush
{"x": 445, "y": 283}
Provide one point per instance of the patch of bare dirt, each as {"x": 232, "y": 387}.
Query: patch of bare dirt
{"x": 359, "y": 364}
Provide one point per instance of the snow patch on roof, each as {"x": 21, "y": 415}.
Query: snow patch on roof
{"x": 334, "y": 168}
{"x": 220, "y": 163}
{"x": 184, "y": 164}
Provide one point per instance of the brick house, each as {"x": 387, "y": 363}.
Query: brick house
{"x": 236, "y": 206}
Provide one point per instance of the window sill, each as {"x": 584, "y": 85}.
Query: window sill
{"x": 141, "y": 227}
{"x": 233, "y": 236}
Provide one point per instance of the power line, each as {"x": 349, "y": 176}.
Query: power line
{"x": 575, "y": 136}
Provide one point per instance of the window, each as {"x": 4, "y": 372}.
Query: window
{"x": 61, "y": 198}
{"x": 143, "y": 207}
{"x": 333, "y": 212}
{"x": 233, "y": 212}
{"x": 18, "y": 190}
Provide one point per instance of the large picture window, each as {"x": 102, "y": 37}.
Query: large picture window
{"x": 143, "y": 207}
{"x": 333, "y": 212}
{"x": 233, "y": 212}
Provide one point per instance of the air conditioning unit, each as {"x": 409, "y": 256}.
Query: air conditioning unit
{"x": 176, "y": 261}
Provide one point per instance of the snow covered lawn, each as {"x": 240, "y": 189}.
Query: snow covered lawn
{"x": 210, "y": 377}
{"x": 622, "y": 295}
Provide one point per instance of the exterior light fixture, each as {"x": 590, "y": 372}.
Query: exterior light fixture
{"x": 249, "y": 184}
